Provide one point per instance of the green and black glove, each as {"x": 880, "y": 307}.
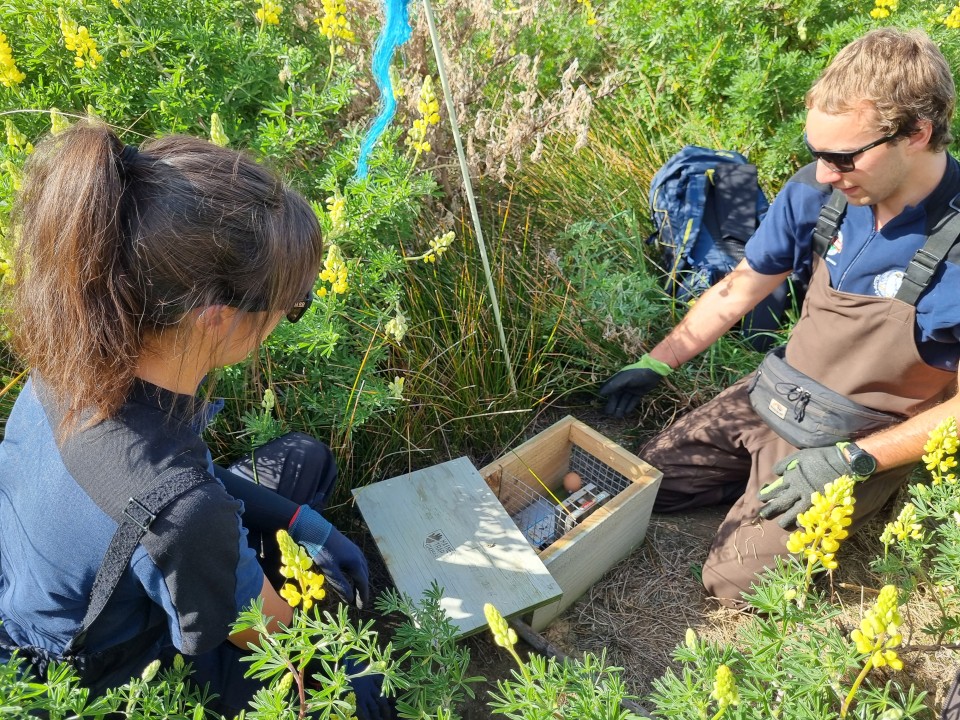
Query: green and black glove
{"x": 624, "y": 390}
{"x": 808, "y": 471}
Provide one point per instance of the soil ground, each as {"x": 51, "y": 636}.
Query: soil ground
{"x": 641, "y": 609}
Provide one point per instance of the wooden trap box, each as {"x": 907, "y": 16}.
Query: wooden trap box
{"x": 443, "y": 524}
{"x": 576, "y": 557}
{"x": 498, "y": 536}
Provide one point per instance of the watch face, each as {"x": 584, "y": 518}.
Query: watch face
{"x": 863, "y": 464}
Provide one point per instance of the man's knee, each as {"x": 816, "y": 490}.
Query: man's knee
{"x": 742, "y": 550}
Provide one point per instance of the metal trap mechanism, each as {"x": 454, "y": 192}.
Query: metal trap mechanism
{"x": 539, "y": 516}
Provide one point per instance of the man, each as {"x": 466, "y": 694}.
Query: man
{"x": 878, "y": 124}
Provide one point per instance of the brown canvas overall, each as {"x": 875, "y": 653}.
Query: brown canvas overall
{"x": 860, "y": 346}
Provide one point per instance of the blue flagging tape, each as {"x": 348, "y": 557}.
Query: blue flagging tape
{"x": 396, "y": 31}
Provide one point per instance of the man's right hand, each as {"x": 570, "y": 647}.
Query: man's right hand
{"x": 624, "y": 390}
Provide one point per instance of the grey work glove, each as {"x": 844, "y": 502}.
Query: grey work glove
{"x": 624, "y": 390}
{"x": 801, "y": 475}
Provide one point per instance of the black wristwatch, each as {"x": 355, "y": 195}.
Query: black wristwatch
{"x": 860, "y": 461}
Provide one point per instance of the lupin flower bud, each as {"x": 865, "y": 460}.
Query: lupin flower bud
{"x": 725, "y": 688}
{"x": 503, "y": 634}
{"x": 150, "y": 671}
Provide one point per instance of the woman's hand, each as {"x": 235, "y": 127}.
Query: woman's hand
{"x": 339, "y": 559}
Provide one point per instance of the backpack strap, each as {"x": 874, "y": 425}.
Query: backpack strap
{"x": 828, "y": 223}
{"x": 136, "y": 519}
{"x": 942, "y": 235}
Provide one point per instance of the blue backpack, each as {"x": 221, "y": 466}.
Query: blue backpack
{"x": 705, "y": 204}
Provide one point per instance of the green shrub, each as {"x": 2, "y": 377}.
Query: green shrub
{"x": 274, "y": 83}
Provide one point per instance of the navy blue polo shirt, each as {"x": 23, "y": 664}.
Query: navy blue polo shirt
{"x": 864, "y": 260}
{"x": 193, "y": 571}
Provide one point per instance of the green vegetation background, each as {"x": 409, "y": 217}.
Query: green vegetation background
{"x": 568, "y": 107}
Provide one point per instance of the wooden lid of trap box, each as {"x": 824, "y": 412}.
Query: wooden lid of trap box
{"x": 444, "y": 524}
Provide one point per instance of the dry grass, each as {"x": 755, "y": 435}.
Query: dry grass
{"x": 642, "y": 608}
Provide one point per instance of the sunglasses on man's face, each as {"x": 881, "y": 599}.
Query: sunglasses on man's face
{"x": 300, "y": 307}
{"x": 843, "y": 162}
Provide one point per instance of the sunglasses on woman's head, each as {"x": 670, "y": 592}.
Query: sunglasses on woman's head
{"x": 843, "y": 162}
{"x": 300, "y": 307}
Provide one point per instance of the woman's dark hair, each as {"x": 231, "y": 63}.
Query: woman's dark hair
{"x": 114, "y": 244}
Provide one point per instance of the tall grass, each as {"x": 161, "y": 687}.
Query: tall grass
{"x": 459, "y": 400}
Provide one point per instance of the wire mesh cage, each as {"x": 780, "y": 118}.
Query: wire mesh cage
{"x": 543, "y": 515}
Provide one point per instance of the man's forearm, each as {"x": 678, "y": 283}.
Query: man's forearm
{"x": 715, "y": 312}
{"x": 903, "y": 443}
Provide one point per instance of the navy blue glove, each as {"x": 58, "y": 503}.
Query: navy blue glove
{"x": 624, "y": 390}
{"x": 371, "y": 702}
{"x": 340, "y": 561}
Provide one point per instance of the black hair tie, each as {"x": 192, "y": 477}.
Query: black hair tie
{"x": 128, "y": 154}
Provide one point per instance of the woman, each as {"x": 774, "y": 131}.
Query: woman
{"x": 140, "y": 271}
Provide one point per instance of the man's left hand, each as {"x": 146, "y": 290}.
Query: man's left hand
{"x": 801, "y": 475}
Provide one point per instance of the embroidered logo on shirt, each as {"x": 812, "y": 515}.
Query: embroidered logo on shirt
{"x": 836, "y": 247}
{"x": 887, "y": 284}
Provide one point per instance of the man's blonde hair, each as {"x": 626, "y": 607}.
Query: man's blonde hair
{"x": 902, "y": 74}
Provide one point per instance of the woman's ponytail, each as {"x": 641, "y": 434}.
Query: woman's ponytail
{"x": 73, "y": 316}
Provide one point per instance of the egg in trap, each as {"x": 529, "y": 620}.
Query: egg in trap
{"x": 544, "y": 519}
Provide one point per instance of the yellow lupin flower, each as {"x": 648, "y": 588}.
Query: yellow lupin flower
{"x": 290, "y": 593}
{"x": 16, "y": 177}
{"x": 334, "y": 272}
{"x": 16, "y": 139}
{"x": 879, "y": 630}
{"x": 268, "y": 13}
{"x": 883, "y": 8}
{"x": 269, "y": 400}
{"x": 333, "y": 23}
{"x": 150, "y": 671}
{"x": 952, "y": 20}
{"x": 940, "y": 450}
{"x": 10, "y": 74}
{"x": 428, "y": 105}
{"x": 905, "y": 526}
{"x": 217, "y": 134}
{"x": 725, "y": 688}
{"x": 439, "y": 245}
{"x": 296, "y": 565}
{"x": 878, "y": 634}
{"x": 824, "y": 525}
{"x": 337, "y": 209}
{"x": 503, "y": 635}
{"x": 77, "y": 39}
{"x": 6, "y": 270}
{"x": 395, "y": 388}
{"x": 397, "y": 326}
{"x": 58, "y": 122}
{"x": 589, "y": 12}
{"x": 429, "y": 108}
